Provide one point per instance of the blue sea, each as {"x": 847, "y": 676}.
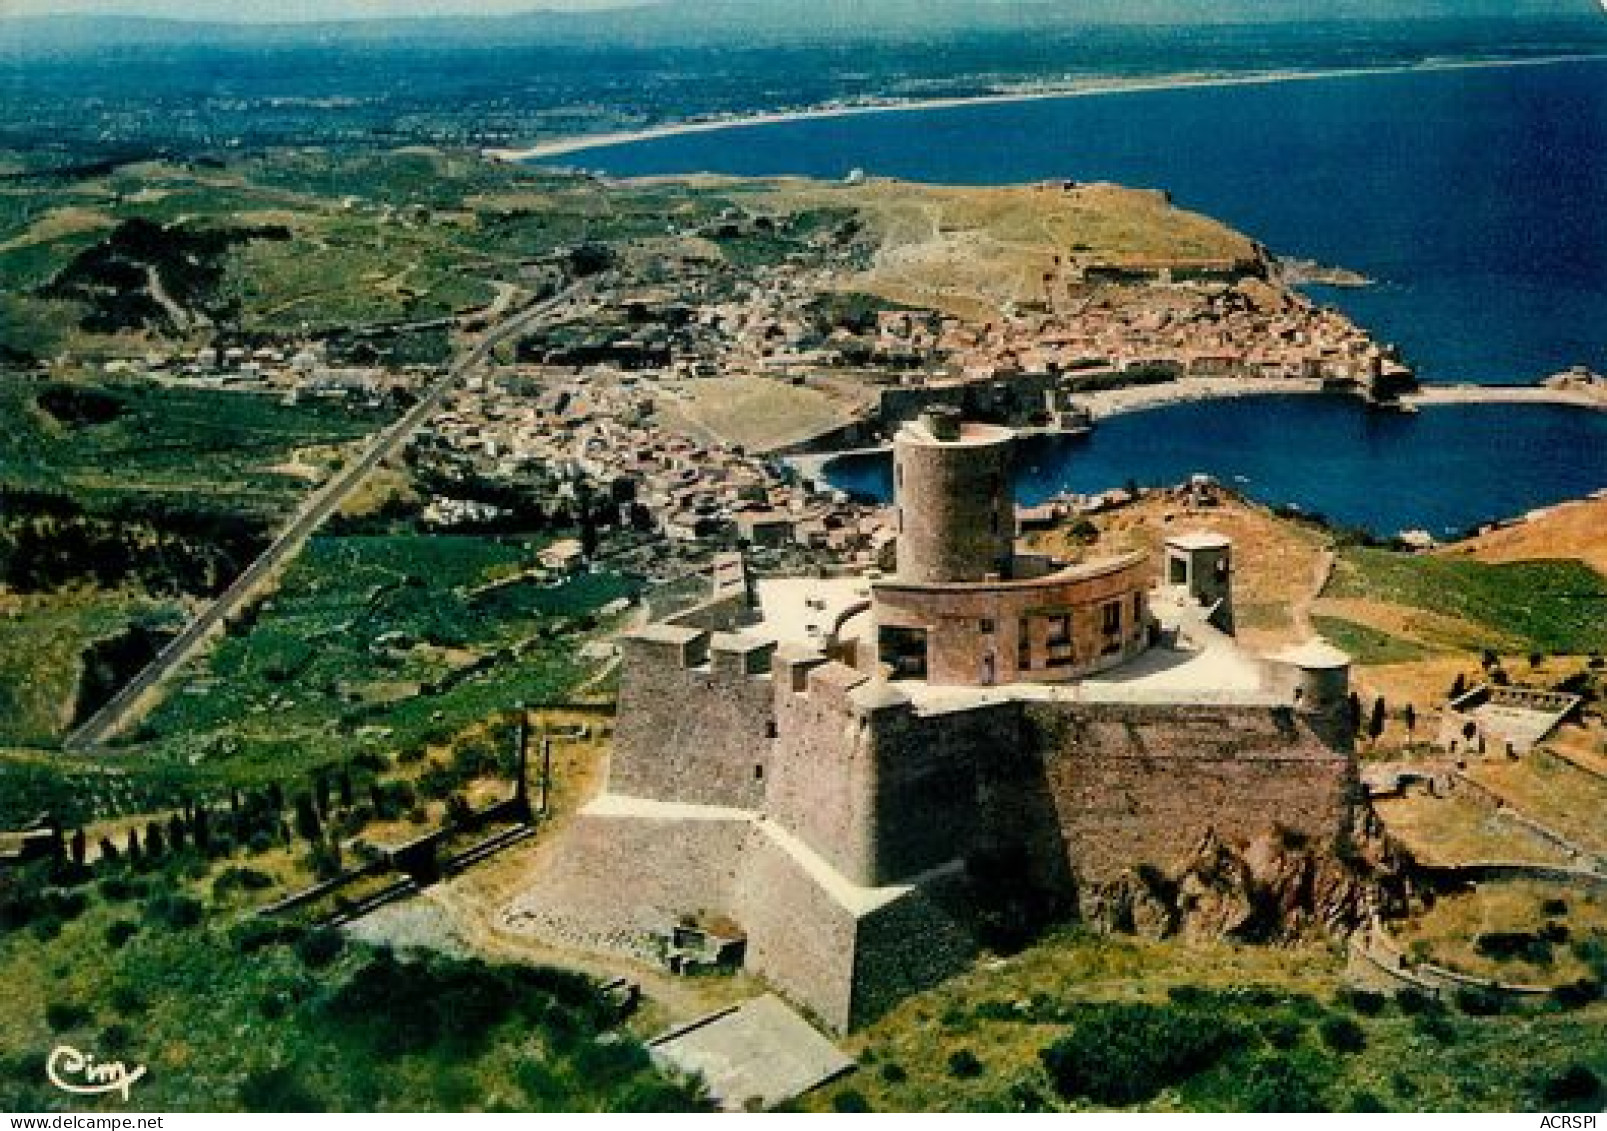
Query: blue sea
{"x": 1476, "y": 198}
{"x": 1445, "y": 469}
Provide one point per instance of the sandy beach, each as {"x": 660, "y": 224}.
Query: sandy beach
{"x": 561, "y": 147}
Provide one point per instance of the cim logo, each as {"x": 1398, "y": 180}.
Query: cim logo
{"x": 78, "y": 1073}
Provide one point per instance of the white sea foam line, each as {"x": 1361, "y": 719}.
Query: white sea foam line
{"x": 564, "y": 146}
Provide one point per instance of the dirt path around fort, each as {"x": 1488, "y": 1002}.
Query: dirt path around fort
{"x": 1321, "y": 573}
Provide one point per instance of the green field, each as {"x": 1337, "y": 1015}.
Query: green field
{"x": 1551, "y": 606}
{"x": 1367, "y": 645}
{"x": 376, "y": 643}
{"x": 194, "y": 444}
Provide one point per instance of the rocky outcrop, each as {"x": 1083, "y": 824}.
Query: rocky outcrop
{"x": 1276, "y": 888}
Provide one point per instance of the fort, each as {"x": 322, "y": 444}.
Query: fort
{"x": 864, "y": 775}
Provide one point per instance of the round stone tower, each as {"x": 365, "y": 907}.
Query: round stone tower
{"x": 956, "y": 508}
{"x": 1321, "y": 676}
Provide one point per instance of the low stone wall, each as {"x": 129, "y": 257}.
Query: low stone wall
{"x": 1500, "y": 805}
{"x": 1498, "y": 872}
{"x": 1375, "y": 955}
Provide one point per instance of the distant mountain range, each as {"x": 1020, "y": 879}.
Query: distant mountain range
{"x": 744, "y": 21}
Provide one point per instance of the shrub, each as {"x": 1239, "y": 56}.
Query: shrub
{"x": 239, "y": 878}
{"x": 1592, "y": 951}
{"x": 1281, "y": 1031}
{"x": 1507, "y": 946}
{"x": 1343, "y": 1034}
{"x": 62, "y": 1015}
{"x": 964, "y": 1065}
{"x": 1413, "y": 1003}
{"x": 1365, "y": 1102}
{"x": 1437, "y": 1027}
{"x": 121, "y": 889}
{"x": 1574, "y": 1084}
{"x": 319, "y": 948}
{"x": 1365, "y": 1002}
{"x": 324, "y": 859}
{"x": 1577, "y": 995}
{"x": 850, "y": 1101}
{"x": 119, "y": 931}
{"x": 893, "y": 1072}
{"x": 1119, "y": 1054}
{"x": 1479, "y": 1002}
{"x": 126, "y": 1000}
{"x": 175, "y": 912}
{"x": 277, "y": 1089}
{"x": 1280, "y": 1084}
{"x": 115, "y": 1039}
{"x": 252, "y": 935}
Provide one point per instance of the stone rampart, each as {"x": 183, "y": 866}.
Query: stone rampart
{"x": 695, "y": 718}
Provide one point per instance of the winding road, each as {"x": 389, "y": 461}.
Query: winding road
{"x": 127, "y": 705}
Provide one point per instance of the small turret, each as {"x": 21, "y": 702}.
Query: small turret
{"x": 1202, "y": 564}
{"x": 1321, "y": 675}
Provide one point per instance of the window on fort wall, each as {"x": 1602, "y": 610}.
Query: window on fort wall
{"x": 1058, "y": 641}
{"x": 904, "y": 650}
{"x": 1111, "y": 623}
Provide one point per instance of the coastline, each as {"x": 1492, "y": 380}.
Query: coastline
{"x": 1139, "y": 398}
{"x": 1093, "y": 87}
{"x": 1143, "y": 398}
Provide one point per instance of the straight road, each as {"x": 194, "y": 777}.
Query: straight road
{"x": 126, "y": 706}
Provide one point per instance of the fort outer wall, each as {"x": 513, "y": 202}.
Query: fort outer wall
{"x": 1097, "y": 790}
{"x": 883, "y": 792}
{"x": 838, "y": 844}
